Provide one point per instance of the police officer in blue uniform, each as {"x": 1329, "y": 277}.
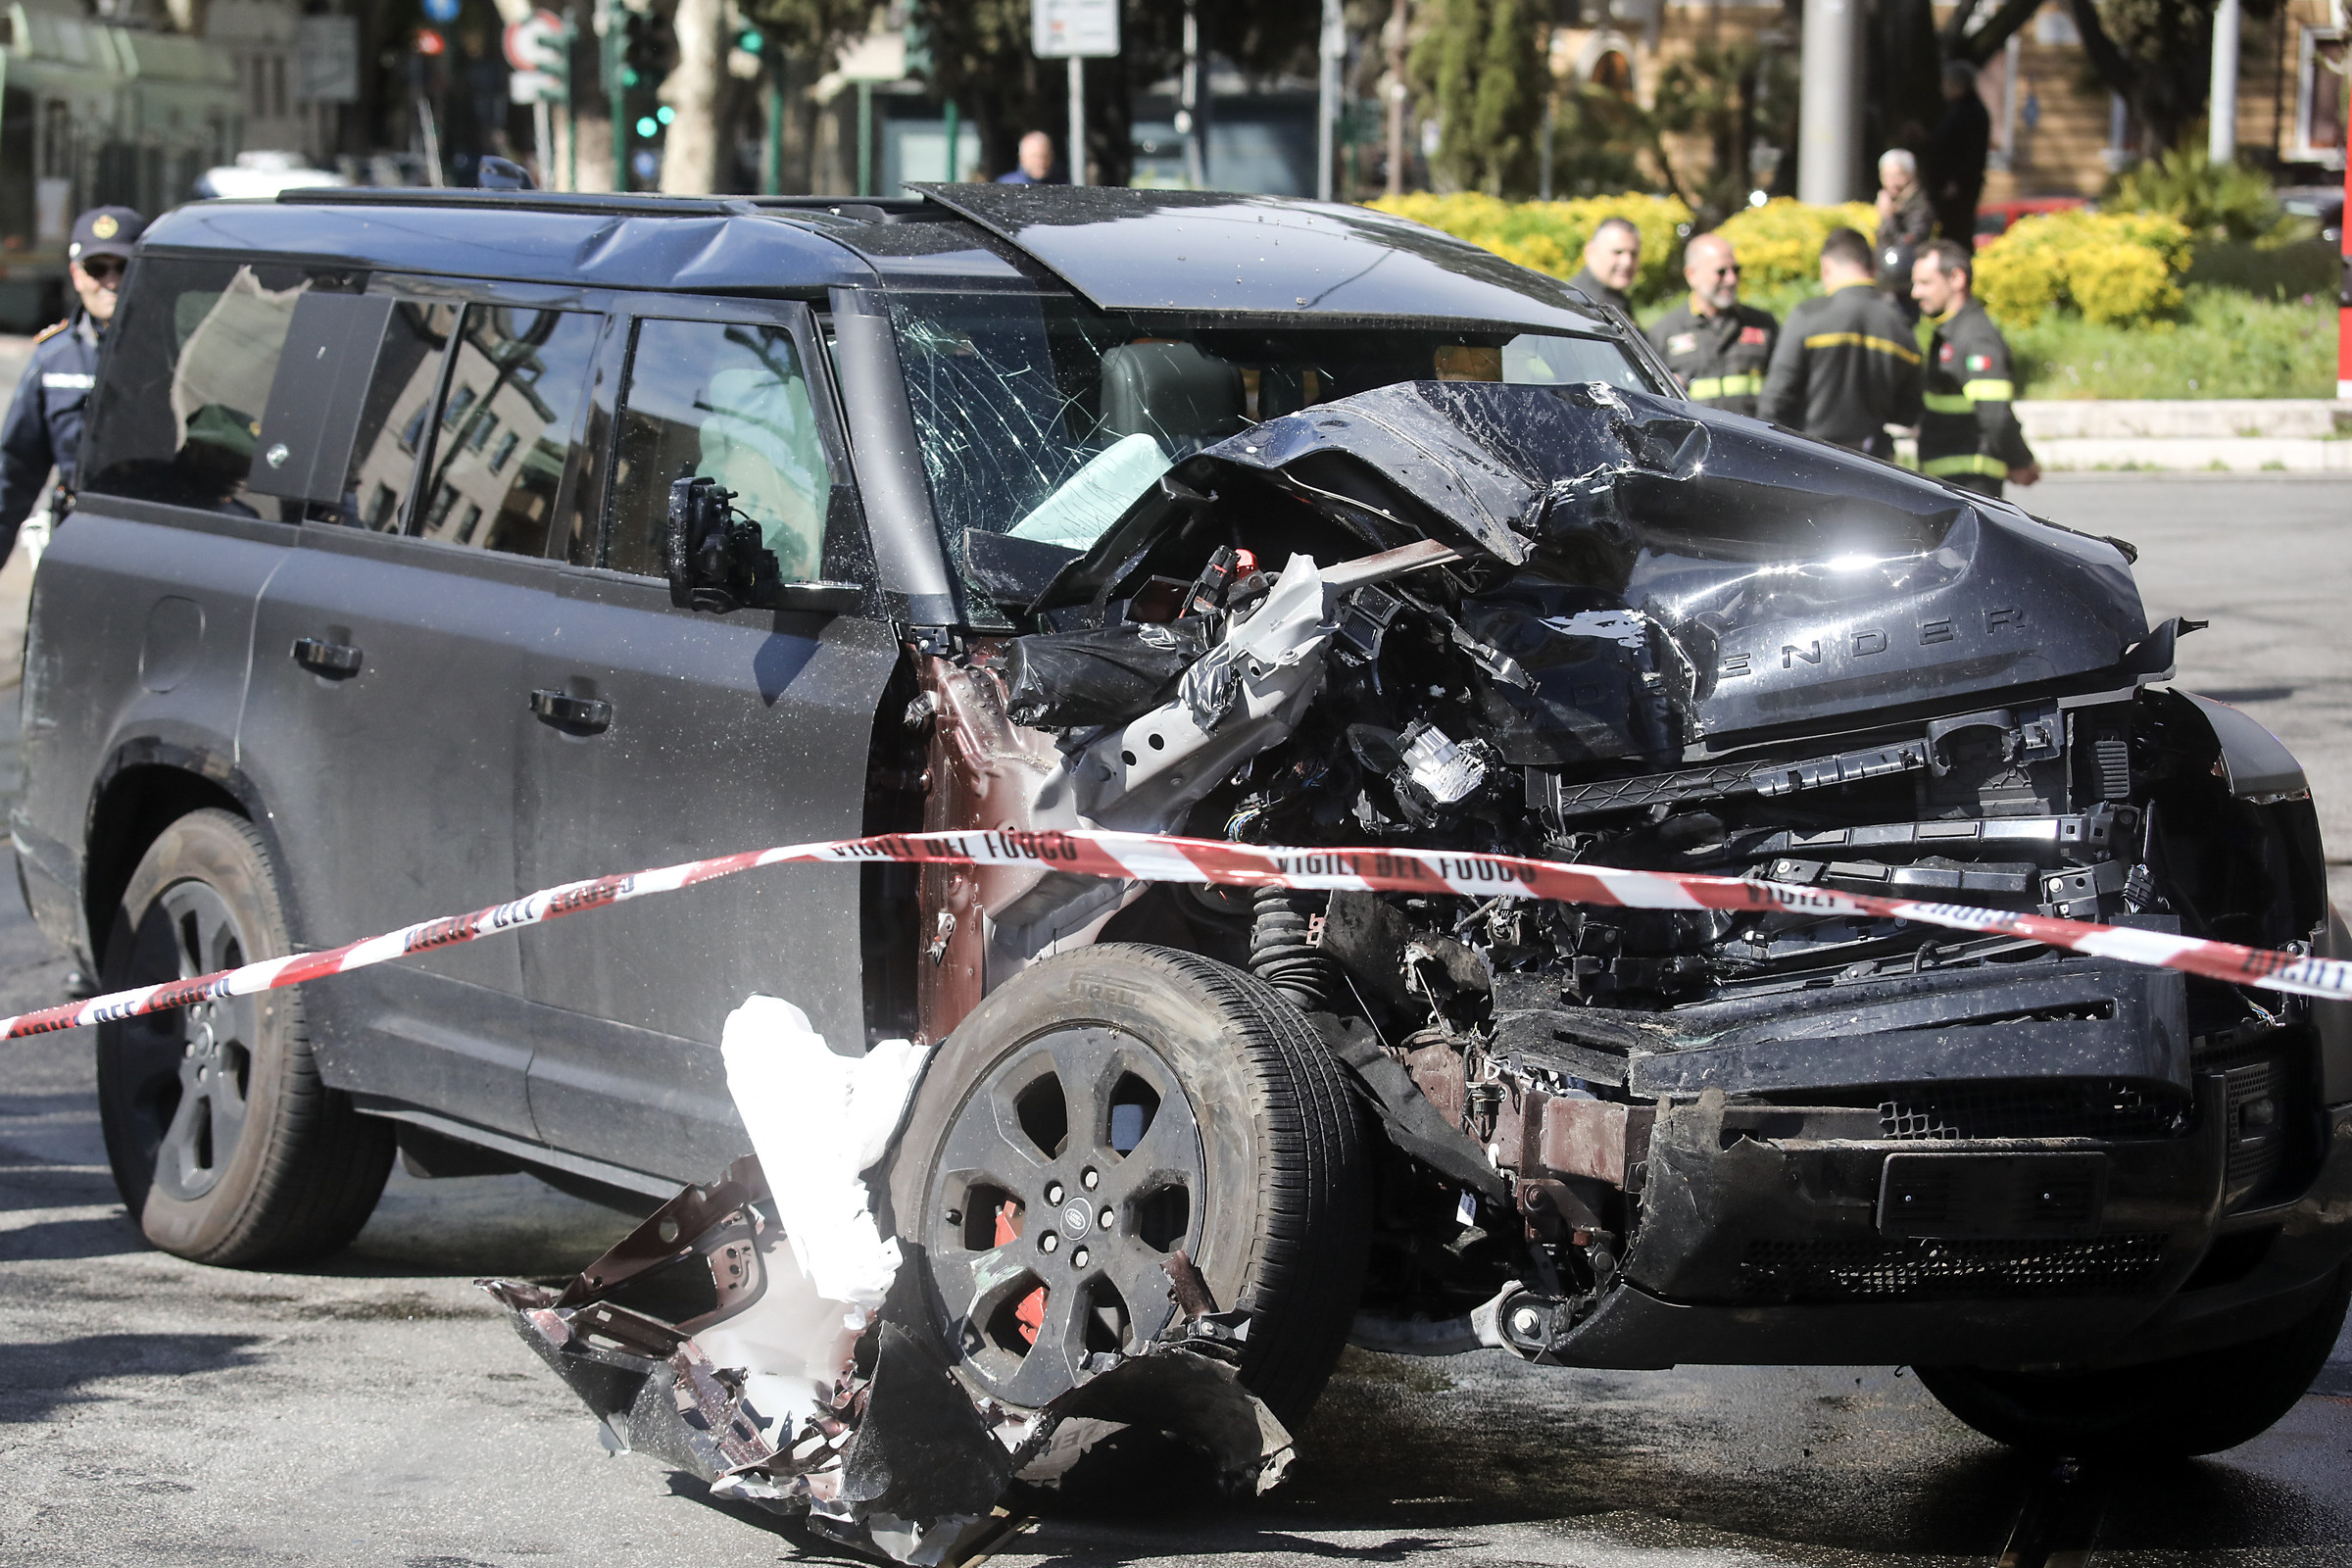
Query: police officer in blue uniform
{"x": 43, "y": 430}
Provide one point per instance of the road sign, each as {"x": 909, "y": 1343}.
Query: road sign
{"x": 537, "y": 43}
{"x": 1085, "y": 30}
{"x": 539, "y": 48}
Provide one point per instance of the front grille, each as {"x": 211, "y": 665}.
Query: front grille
{"x": 2031, "y": 1108}
{"x": 1922, "y": 1269}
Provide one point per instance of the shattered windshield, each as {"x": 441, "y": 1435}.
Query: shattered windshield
{"x": 1043, "y": 418}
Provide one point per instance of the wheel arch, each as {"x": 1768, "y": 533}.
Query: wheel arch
{"x": 147, "y": 784}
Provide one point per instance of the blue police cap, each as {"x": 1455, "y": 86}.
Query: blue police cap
{"x": 105, "y": 231}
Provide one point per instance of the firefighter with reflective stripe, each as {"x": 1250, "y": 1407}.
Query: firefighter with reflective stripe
{"x": 1717, "y": 347}
{"x": 1846, "y": 366}
{"x": 1968, "y": 430}
{"x": 43, "y": 429}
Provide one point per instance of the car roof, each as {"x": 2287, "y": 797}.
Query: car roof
{"x": 1208, "y": 253}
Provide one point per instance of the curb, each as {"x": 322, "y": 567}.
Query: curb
{"x": 2230, "y": 454}
{"x": 2056, "y": 419}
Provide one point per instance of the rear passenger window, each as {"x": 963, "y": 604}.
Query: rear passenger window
{"x": 399, "y": 401}
{"x": 728, "y": 400}
{"x": 507, "y": 428}
{"x": 193, "y": 354}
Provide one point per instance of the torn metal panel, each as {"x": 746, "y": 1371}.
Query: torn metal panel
{"x": 809, "y": 1383}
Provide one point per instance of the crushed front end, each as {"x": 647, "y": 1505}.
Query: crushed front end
{"x": 1582, "y": 623}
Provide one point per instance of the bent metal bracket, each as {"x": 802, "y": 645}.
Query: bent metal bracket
{"x": 1154, "y": 857}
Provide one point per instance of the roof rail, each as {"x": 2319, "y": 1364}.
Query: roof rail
{"x": 586, "y": 202}
{"x": 853, "y": 209}
{"x": 861, "y": 207}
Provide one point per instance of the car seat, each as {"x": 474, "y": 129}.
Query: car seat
{"x": 1180, "y": 397}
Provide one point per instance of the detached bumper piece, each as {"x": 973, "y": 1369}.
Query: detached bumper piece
{"x": 896, "y": 1460}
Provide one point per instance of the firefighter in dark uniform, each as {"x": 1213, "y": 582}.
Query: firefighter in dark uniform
{"x": 43, "y": 430}
{"x": 1717, "y": 347}
{"x": 1968, "y": 430}
{"x": 1846, "y": 366}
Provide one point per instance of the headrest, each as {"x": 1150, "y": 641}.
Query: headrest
{"x": 1180, "y": 397}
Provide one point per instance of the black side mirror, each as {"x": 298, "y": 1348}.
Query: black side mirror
{"x": 715, "y": 560}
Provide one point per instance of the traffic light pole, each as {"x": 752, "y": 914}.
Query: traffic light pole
{"x": 610, "y": 40}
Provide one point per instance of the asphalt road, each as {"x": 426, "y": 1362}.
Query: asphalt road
{"x": 380, "y": 1411}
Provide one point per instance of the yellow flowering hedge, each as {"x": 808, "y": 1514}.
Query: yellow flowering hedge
{"x": 2117, "y": 268}
{"x": 1778, "y": 244}
{"x": 1549, "y": 236}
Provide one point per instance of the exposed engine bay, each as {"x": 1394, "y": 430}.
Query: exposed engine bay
{"x": 1586, "y": 625}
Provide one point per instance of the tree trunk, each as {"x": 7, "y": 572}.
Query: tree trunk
{"x": 693, "y": 90}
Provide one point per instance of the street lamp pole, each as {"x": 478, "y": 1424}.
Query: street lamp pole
{"x": 2220, "y": 136}
{"x": 1333, "y": 48}
{"x": 1195, "y": 106}
{"x": 1830, "y": 103}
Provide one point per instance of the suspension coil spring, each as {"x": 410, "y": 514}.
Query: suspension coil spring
{"x": 1280, "y": 953}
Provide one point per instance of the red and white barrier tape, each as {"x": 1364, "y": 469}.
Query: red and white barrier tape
{"x": 1145, "y": 857}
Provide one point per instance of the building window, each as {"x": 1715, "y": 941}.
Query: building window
{"x": 2321, "y": 66}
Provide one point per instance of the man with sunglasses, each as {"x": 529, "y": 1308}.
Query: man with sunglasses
{"x": 43, "y": 429}
{"x": 1717, "y": 347}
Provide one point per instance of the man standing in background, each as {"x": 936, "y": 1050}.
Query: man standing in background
{"x": 1906, "y": 222}
{"x": 1035, "y": 167}
{"x": 1844, "y": 367}
{"x": 1955, "y": 155}
{"x": 1968, "y": 430}
{"x": 1717, "y": 347}
{"x": 1612, "y": 256}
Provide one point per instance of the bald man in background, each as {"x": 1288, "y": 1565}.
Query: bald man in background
{"x": 1718, "y": 348}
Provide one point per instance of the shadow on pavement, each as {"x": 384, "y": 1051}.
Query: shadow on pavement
{"x": 37, "y": 1380}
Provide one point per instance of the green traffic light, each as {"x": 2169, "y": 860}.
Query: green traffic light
{"x": 628, "y": 75}
{"x": 666, "y": 113}
{"x": 752, "y": 41}
{"x": 647, "y": 128}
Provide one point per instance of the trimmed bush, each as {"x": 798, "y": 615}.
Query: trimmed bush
{"x": 2114, "y": 267}
{"x": 1551, "y": 237}
{"x": 1778, "y": 244}
{"x": 2226, "y": 344}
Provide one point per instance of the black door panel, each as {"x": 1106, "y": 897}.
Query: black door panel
{"x": 693, "y": 735}
{"x": 392, "y": 790}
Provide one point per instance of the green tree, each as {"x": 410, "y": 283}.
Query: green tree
{"x": 1480, "y": 69}
{"x": 1732, "y": 93}
{"x": 1598, "y": 140}
{"x": 2158, "y": 55}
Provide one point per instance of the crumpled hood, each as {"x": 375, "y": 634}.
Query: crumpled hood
{"x": 1802, "y": 580}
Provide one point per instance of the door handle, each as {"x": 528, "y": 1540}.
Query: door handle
{"x": 586, "y": 715}
{"x": 334, "y": 661}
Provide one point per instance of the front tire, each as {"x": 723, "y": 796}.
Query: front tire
{"x": 226, "y": 1146}
{"x": 1184, "y": 1100}
{"x": 2192, "y": 1404}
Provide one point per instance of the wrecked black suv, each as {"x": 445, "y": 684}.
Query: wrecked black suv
{"x": 437, "y": 547}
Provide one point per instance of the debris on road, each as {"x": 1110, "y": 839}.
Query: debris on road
{"x": 760, "y": 1332}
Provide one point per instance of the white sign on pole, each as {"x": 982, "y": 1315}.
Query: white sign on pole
{"x": 327, "y": 60}
{"x": 1087, "y": 30}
